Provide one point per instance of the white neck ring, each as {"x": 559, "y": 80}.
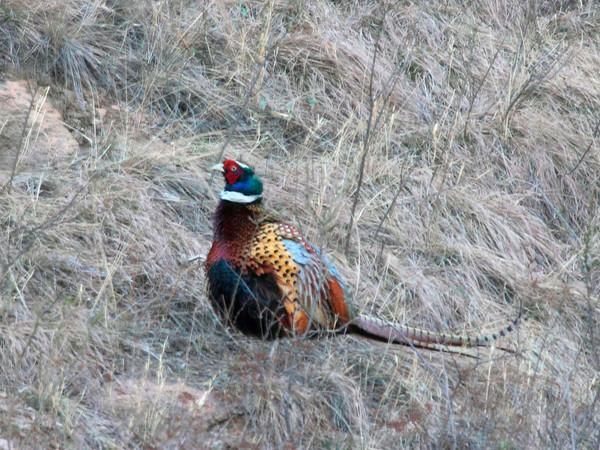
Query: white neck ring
{"x": 238, "y": 197}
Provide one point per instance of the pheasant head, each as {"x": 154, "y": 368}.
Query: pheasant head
{"x": 242, "y": 185}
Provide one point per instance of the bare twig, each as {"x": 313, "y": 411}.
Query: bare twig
{"x": 373, "y": 121}
{"x": 24, "y": 131}
{"x": 366, "y": 140}
{"x": 587, "y": 150}
{"x": 479, "y": 86}
{"x": 539, "y": 73}
{"x": 263, "y": 57}
{"x": 589, "y": 261}
{"x": 48, "y": 223}
{"x": 391, "y": 206}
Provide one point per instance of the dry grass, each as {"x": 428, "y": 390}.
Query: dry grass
{"x": 480, "y": 190}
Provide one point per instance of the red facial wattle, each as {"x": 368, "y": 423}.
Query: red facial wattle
{"x": 233, "y": 171}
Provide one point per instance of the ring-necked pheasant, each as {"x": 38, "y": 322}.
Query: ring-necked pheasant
{"x": 265, "y": 279}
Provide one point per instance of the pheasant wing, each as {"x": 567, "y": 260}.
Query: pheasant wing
{"x": 312, "y": 290}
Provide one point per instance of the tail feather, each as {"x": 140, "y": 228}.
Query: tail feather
{"x": 403, "y": 334}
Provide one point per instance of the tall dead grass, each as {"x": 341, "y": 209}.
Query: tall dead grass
{"x": 480, "y": 191}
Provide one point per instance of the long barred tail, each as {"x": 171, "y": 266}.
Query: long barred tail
{"x": 402, "y": 334}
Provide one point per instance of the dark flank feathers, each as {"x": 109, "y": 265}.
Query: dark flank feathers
{"x": 251, "y": 304}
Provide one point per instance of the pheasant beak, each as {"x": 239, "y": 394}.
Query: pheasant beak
{"x": 218, "y": 168}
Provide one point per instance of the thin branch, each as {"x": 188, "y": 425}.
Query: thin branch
{"x": 587, "y": 150}
{"x": 8, "y": 185}
{"x": 264, "y": 52}
{"x": 476, "y": 94}
{"x": 588, "y": 266}
{"x": 367, "y": 137}
{"x": 49, "y": 223}
{"x": 391, "y": 207}
{"x": 539, "y": 74}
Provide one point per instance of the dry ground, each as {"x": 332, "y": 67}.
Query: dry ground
{"x": 470, "y": 142}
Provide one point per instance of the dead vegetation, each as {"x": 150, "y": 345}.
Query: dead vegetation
{"x": 480, "y": 190}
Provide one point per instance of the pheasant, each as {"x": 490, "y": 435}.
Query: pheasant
{"x": 267, "y": 280}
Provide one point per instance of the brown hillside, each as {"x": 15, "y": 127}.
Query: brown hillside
{"x": 468, "y": 135}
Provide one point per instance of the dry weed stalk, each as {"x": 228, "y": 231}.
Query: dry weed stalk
{"x": 377, "y": 110}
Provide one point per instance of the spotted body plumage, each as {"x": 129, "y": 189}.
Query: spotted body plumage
{"x": 310, "y": 295}
{"x": 266, "y": 279}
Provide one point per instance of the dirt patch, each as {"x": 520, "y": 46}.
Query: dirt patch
{"x": 32, "y": 131}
